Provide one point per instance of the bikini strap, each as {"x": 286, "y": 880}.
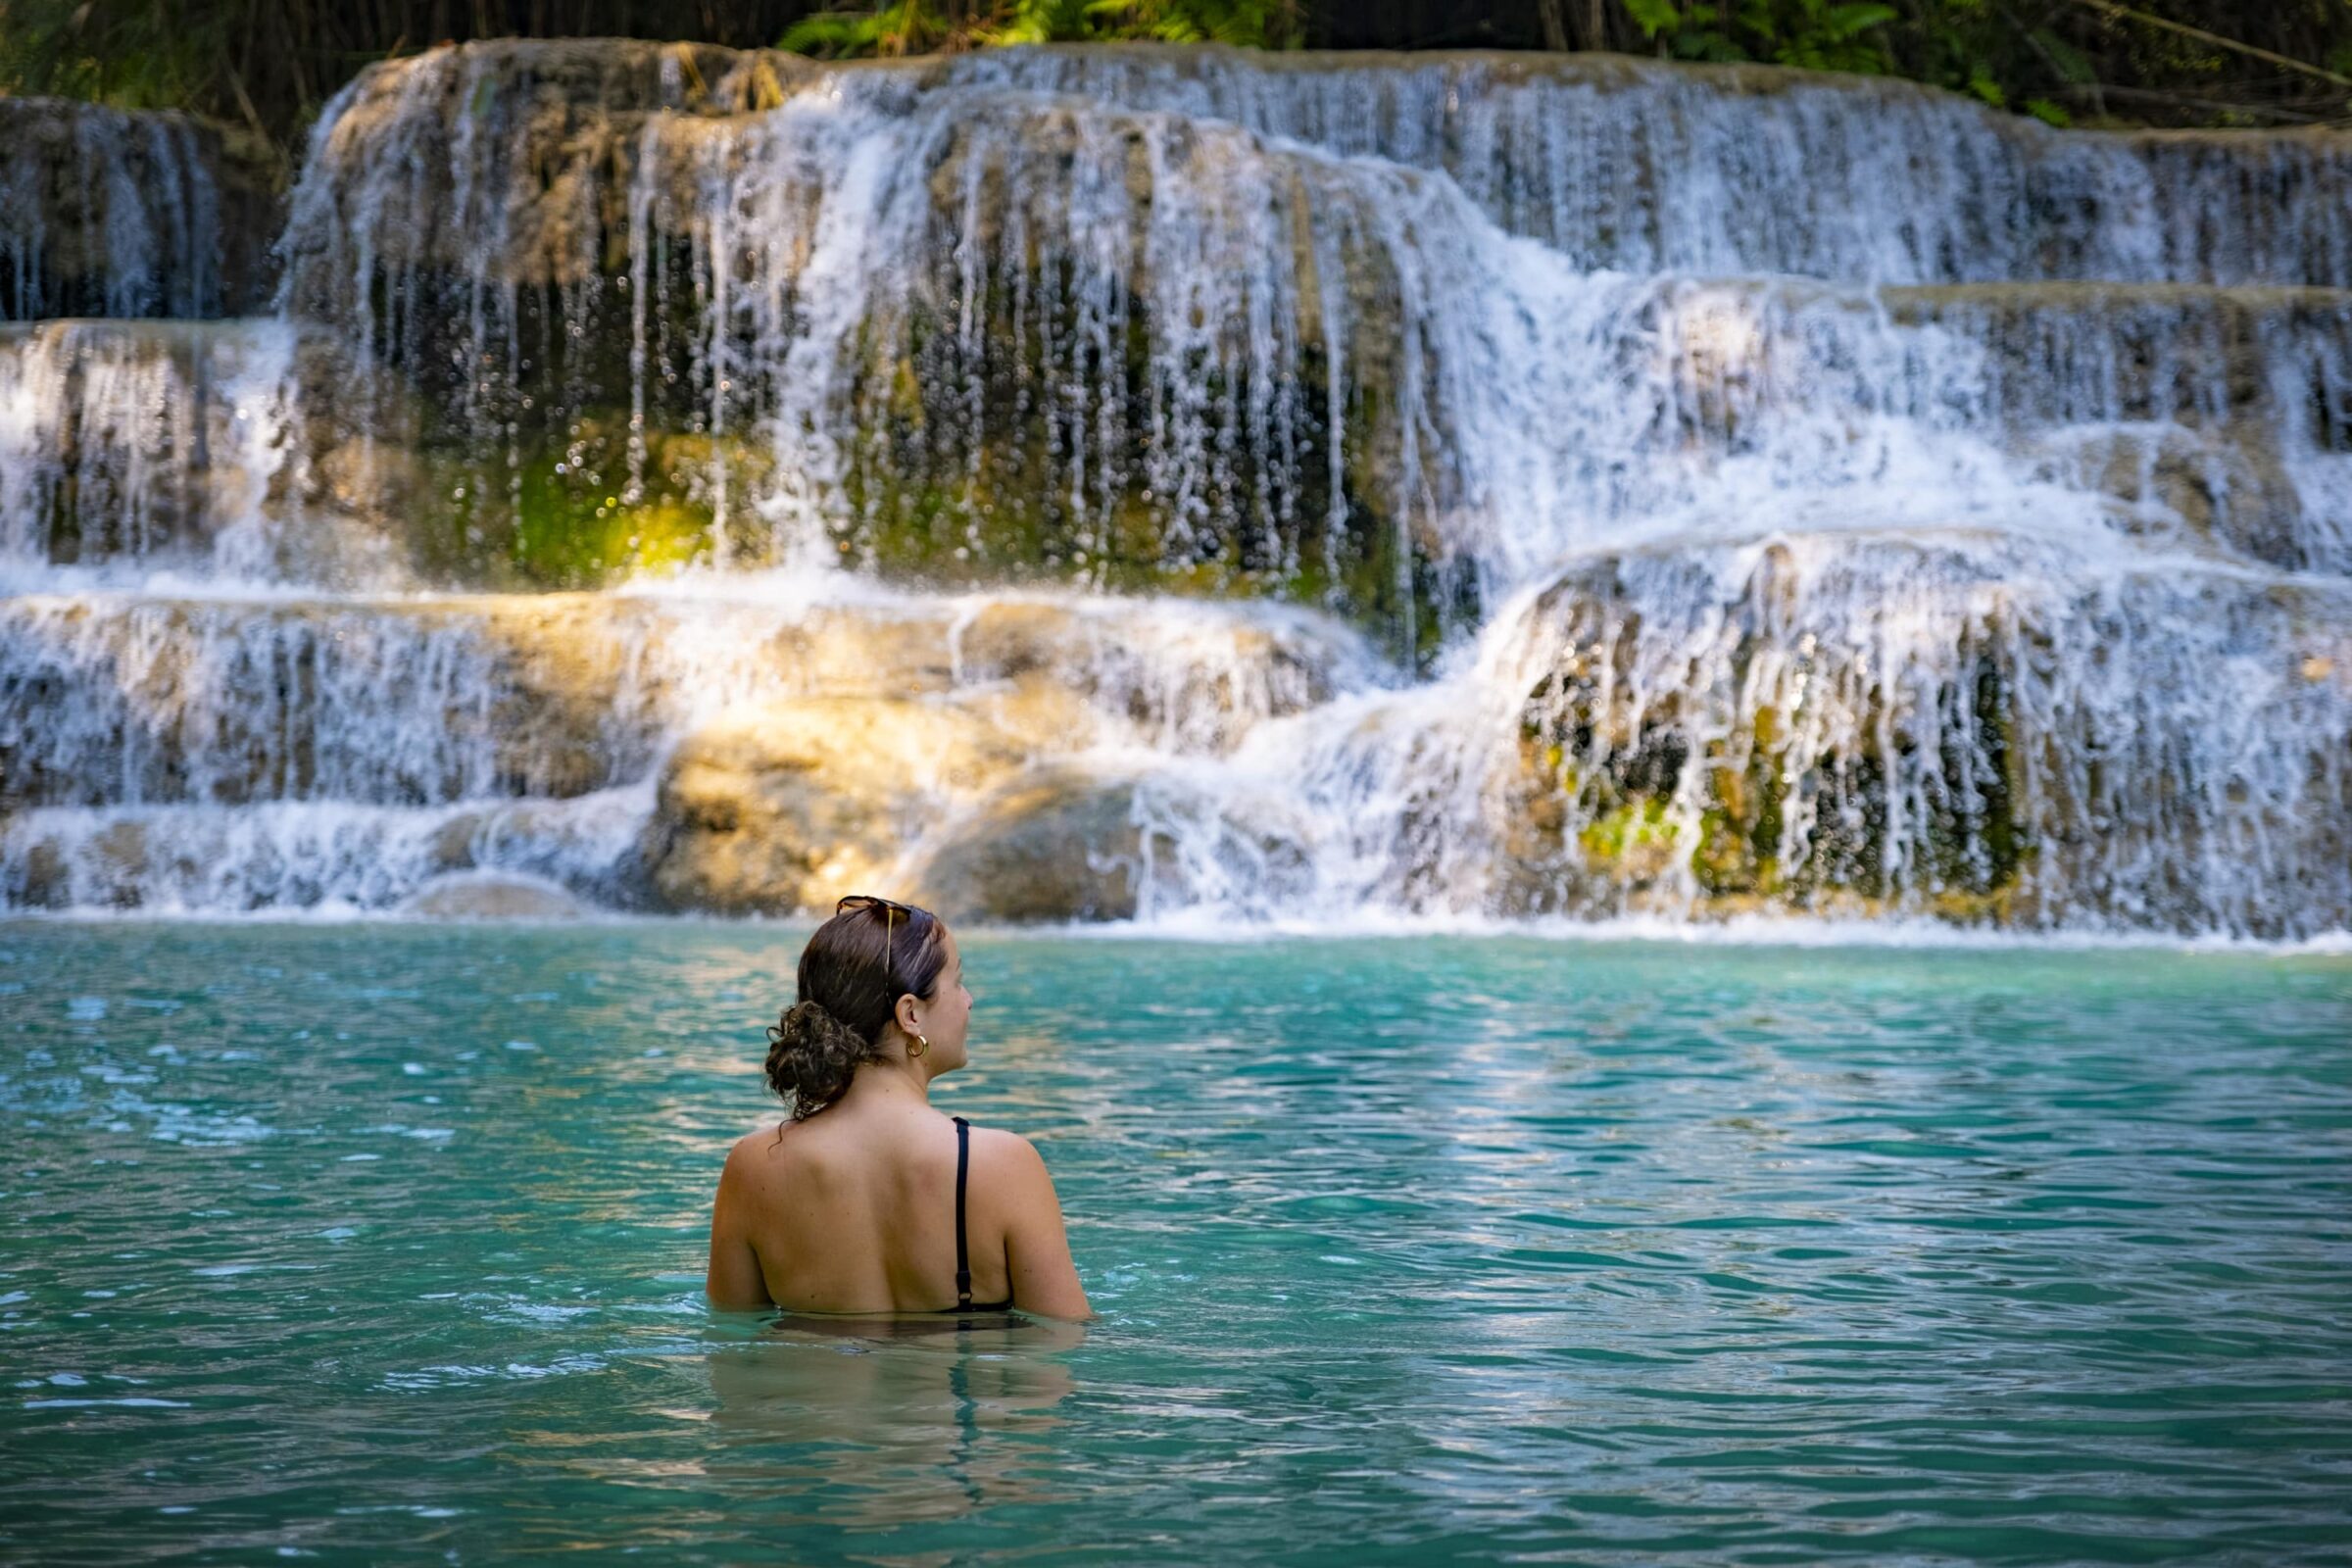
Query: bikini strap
{"x": 963, "y": 1258}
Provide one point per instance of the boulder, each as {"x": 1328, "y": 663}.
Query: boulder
{"x": 1053, "y": 846}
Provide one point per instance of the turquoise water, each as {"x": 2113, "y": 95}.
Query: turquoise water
{"x": 385, "y": 1243}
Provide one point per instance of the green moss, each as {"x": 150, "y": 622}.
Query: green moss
{"x": 1974, "y": 858}
{"x": 1639, "y": 823}
{"x": 565, "y": 516}
{"x": 1740, "y": 832}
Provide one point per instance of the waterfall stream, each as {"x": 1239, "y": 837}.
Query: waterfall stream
{"x": 1172, "y": 484}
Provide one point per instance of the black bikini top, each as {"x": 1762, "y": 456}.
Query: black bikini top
{"x": 964, "y": 1257}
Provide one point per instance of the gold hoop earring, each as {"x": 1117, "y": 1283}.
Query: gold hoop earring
{"x": 917, "y": 1049}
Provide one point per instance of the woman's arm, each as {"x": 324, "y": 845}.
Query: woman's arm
{"x": 1037, "y": 1247}
{"x": 734, "y": 1282}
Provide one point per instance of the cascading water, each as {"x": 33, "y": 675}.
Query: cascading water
{"x": 108, "y": 212}
{"x": 1424, "y": 489}
{"x": 138, "y": 444}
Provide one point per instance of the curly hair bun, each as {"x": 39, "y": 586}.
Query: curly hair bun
{"x": 812, "y": 1057}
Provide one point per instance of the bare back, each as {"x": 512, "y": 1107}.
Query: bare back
{"x": 853, "y": 1210}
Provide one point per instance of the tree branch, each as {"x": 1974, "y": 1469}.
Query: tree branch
{"x": 2109, "y": 9}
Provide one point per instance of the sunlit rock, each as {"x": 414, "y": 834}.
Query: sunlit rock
{"x": 790, "y": 806}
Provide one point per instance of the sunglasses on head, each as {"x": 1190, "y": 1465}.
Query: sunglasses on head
{"x": 867, "y": 901}
{"x": 892, "y": 912}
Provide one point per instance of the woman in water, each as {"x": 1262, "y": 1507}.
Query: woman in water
{"x": 867, "y": 1200}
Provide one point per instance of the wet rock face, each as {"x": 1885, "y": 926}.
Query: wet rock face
{"x": 729, "y": 301}
{"x": 790, "y": 806}
{"x": 146, "y": 441}
{"x": 2216, "y": 415}
{"x": 1054, "y": 845}
{"x": 507, "y": 160}
{"x": 1075, "y": 316}
{"x": 636, "y": 750}
{"x": 1643, "y": 165}
{"x": 363, "y": 747}
{"x": 432, "y": 702}
{"x": 108, "y": 212}
{"x": 1913, "y": 728}
{"x": 160, "y": 702}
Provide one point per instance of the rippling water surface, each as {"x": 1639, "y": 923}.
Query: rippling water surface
{"x": 386, "y": 1242}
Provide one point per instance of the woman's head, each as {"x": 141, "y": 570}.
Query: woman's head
{"x": 880, "y": 981}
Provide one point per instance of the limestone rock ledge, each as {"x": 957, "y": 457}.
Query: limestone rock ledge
{"x": 787, "y": 806}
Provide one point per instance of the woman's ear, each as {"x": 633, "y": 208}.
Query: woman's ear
{"x": 910, "y": 1022}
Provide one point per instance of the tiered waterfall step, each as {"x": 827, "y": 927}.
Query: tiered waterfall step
{"x": 688, "y": 750}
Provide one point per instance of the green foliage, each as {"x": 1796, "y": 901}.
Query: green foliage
{"x": 1045, "y": 22}
{"x": 908, "y": 28}
{"x": 913, "y": 27}
{"x": 2193, "y": 62}
{"x": 1815, "y": 34}
{"x": 131, "y": 56}
{"x": 269, "y": 65}
{"x": 1243, "y": 23}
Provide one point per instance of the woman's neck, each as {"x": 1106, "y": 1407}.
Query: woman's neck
{"x": 880, "y": 1082}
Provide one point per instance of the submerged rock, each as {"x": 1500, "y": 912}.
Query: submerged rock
{"x": 478, "y": 897}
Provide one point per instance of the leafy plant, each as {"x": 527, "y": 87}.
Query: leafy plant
{"x": 1816, "y": 34}
{"x": 908, "y": 28}
{"x": 1244, "y": 23}
{"x": 913, "y": 27}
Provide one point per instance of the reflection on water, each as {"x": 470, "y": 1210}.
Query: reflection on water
{"x": 386, "y": 1244}
{"x": 884, "y": 1421}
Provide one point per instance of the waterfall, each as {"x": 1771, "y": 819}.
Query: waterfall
{"x": 1633, "y": 166}
{"x": 1209, "y": 488}
{"x": 139, "y": 442}
{"x": 108, "y": 212}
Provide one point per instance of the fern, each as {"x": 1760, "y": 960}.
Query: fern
{"x": 908, "y": 28}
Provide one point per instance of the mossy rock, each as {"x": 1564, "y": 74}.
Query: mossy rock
{"x": 568, "y": 517}
{"x": 1621, "y": 802}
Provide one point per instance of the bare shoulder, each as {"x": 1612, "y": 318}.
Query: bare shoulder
{"x": 1007, "y": 1156}
{"x": 756, "y": 1159}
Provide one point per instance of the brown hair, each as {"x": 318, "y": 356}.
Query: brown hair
{"x": 853, "y": 973}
